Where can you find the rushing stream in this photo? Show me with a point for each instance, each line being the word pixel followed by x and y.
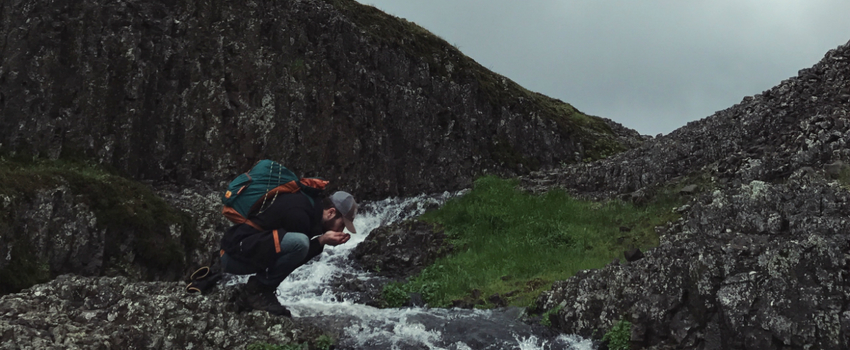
pixel 308 294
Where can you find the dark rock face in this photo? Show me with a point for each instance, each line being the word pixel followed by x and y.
pixel 204 205
pixel 112 313
pixel 392 253
pixel 759 267
pixel 401 250
pixel 761 257
pixel 200 90
pixel 63 229
pixel 55 231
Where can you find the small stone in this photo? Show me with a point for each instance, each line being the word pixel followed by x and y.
pixel 688 190
pixel 497 300
pixel 633 255
pixel 416 300
pixel 833 170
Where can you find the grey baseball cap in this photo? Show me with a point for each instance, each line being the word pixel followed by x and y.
pixel 345 204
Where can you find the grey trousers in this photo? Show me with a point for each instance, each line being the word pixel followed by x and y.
pixel 293 249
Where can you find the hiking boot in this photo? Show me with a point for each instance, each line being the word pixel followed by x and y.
pixel 262 297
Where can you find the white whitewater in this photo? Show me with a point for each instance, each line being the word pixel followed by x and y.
pixel 308 295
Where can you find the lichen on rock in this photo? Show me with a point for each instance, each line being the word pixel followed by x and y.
pixel 114 312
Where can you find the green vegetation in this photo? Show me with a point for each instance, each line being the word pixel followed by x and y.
pixel 24 269
pixel 267 346
pixel 515 244
pixel 120 205
pixel 619 336
pixel 394 294
pixel 545 318
pixel 324 342
pixel 297 65
pixel 844 177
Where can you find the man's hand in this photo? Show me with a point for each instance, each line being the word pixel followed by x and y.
pixel 334 238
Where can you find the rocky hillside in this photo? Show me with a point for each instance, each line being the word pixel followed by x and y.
pixel 760 258
pixel 181 96
pixel 172 92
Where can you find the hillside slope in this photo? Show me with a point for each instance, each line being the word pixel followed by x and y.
pixel 200 90
pixel 761 256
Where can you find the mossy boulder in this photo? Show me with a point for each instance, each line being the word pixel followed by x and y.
pixel 62 217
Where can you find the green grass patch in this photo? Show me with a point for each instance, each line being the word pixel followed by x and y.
pixel 120 205
pixel 323 342
pixel 844 177
pixel 619 336
pixel 546 318
pixel 515 244
pixel 267 346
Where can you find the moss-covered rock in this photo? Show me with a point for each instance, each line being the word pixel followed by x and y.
pixel 64 217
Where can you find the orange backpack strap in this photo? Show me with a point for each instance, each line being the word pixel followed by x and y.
pixel 289 187
pixel 232 215
pixel 314 183
pixel 237 218
pixel 252 224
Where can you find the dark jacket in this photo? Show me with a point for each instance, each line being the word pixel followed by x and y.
pixel 288 212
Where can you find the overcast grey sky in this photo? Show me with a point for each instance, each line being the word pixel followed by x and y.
pixel 651 65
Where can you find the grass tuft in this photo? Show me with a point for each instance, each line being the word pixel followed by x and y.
pixel 515 244
pixel 619 336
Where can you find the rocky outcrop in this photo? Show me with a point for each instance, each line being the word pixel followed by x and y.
pixel 199 90
pixel 34 249
pixel 401 250
pixel 392 253
pixel 761 256
pixel 113 313
pixel 763 266
pixel 203 204
pixel 802 122
pixel 92 223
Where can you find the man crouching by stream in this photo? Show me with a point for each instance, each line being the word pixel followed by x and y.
pixel 301 230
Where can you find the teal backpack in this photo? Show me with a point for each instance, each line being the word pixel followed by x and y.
pixel 249 192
